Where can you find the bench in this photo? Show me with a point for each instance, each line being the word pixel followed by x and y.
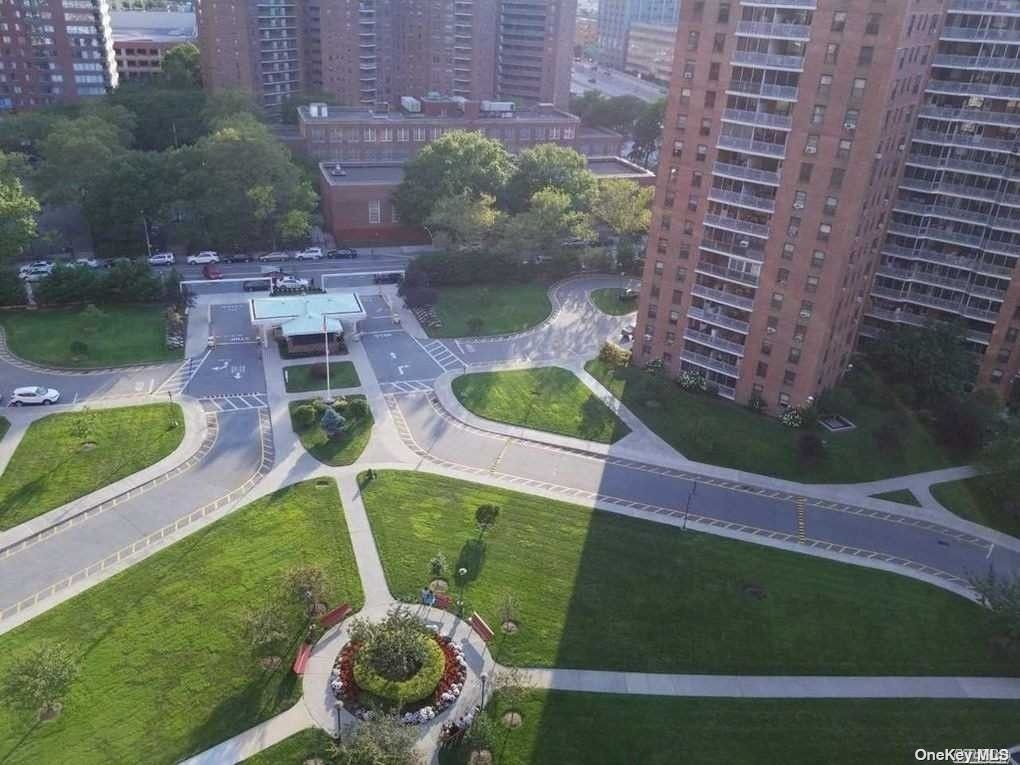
pixel 479 626
pixel 335 616
pixel 301 660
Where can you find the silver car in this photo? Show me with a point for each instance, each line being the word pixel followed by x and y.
pixel 34 396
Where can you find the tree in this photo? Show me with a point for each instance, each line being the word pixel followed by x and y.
pixel 69 284
pixel 382 740
pixel 647 132
pixel 457 162
pixel 19 212
pixel 933 360
pixel 548 166
pixel 76 154
pixel 486 517
pixel 393 647
pixel 182 66
pixel 305 585
pixel 40 678
pixel 165 117
pixel 265 625
pixel 1001 458
pixel 545 226
pixel 468 219
pixel 332 423
pixel 623 206
pixel 1001 595
pixel 12 289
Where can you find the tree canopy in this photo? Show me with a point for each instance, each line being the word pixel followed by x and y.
pixel 19 210
pixel 623 206
pixel 182 67
pixel 467 220
pixel 545 228
pixel 933 360
pixel 550 166
pixel 647 132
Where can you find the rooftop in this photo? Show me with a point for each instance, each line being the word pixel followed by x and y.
pixel 606 167
pixel 333 304
pixel 358 115
pixel 154 26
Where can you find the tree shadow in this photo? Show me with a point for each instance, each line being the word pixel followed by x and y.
pixel 472 558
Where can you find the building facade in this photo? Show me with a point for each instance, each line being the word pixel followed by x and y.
pixel 54 51
pixel 650 51
pixel 535 50
pixel 142 38
pixel 951 247
pixel 784 141
pixel 616 18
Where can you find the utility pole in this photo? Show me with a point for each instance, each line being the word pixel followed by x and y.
pixel 687 505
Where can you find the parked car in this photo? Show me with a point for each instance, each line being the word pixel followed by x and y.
pixel 162 259
pixel 86 262
pixel 34 396
pixel 271 257
pixel 255 285
pixel 37 271
pixel 209 271
pixel 309 253
pixel 206 256
pixel 342 252
pixel 290 284
pixel 391 278
pixel 237 257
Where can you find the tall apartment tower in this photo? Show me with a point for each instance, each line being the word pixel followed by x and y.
pixel 616 18
pixel 534 51
pixel 953 239
pixel 784 141
pixel 54 51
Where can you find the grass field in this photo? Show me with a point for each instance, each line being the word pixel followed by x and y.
pixel 126 334
pixel 307 745
pixel 341 451
pixel 972 498
pixel 55 463
pixel 165 670
pixel 5 425
pixel 499 309
pixel 719 432
pixel 903 496
pixel 608 301
pixel 602 591
pixel 604 729
pixel 547 398
pixel 306 377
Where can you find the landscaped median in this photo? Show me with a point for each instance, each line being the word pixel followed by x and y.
pixel 546 398
pixel 613 301
pixel 5 425
pixel 335 433
pixel 65 456
pixel 300 378
pixel 977 499
pixel 596 590
pixel 490 310
pixel 166 654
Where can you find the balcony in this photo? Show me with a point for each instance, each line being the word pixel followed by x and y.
pixel 749 201
pixel 707 362
pixel 750 146
pixel 983 63
pixel 972 34
pixel 923 277
pixel 945 259
pixel 981 116
pixel 713 341
pixel 803 4
pixel 742 173
pixel 762 90
pixel 957 305
pixel 739 226
pixel 919 320
pixel 758 119
pixel 734 275
pixel 753 254
pixel 1002 7
pixel 994 170
pixel 942 211
pixel 940 234
pixel 774 31
pixel 965 140
pixel 973 89
pixel 721 296
pixel 718 319
pixel 768 61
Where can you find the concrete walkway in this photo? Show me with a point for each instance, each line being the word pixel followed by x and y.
pixel 254 740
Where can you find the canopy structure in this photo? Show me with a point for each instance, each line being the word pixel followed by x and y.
pixel 303 323
pixel 311 324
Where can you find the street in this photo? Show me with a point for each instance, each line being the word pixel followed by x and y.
pixel 610 82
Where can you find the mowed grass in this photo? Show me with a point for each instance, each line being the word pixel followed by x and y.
pixel 165 670
pixel 601 591
pixel 127 334
pixel 306 377
pixel 5 425
pixel 607 729
pixel 336 452
pixel 310 744
pixel 712 430
pixel 500 309
pixel 54 463
pixel 973 499
pixel 903 496
pixel 547 398
pixel 608 301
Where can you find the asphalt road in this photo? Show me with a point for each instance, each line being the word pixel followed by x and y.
pixel 613 84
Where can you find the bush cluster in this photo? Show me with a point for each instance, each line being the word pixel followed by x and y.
pixel 418 686
pixel 126 282
pixel 613 355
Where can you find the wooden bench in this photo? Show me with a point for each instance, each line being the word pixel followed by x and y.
pixel 335 616
pixel 301 660
pixel 478 625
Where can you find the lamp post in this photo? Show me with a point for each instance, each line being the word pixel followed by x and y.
pixel 484 678
pixel 339 710
pixel 325 336
pixel 462 573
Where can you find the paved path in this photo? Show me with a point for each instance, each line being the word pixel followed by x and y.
pixel 254 740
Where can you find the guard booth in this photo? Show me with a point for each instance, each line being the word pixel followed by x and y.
pixel 303 325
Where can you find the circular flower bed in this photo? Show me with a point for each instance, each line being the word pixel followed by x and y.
pixel 415 688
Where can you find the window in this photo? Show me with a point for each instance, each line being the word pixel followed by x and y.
pixel 696 179
pixel 996 376
pixel 776 303
pixel 374 211
pixel 838 21
pixel 818 114
pixel 706 126
pixel 766 348
pixel 702 152
pixel 713 71
pixel 811 146
pixel 787 253
pixel 811 285
pixel 830 205
pixel 806 308
pixel 684 250
pixel 805 172
pixel 678 149
pixel 689 65
pixel 674 317
pixel 653 310
pixel 772 324
pixel 369 135
pixel 866 55
pixel 850 119
pixel 762 369
pixel 692 40
pixel 784 400
pixel 386 135
pixel 782 276
pixel 799 200
pixel 793 227
pixel 857 92
pixel 403 134
pixel 836 179
pixel 789 377
pixel 681 276
pixel 874 22
pixel 692 202
pixel 419 134
pixel 659 266
pixel 831 54
pixel 662 246
pixel 685 98
pixel 824 232
pixel 843 152
pixel 709 99
pixel 678 297
pixel 724 13
pixel 718 43
pixel 688 226
pixel 817 259
pixel 825 85
pixel 1012 334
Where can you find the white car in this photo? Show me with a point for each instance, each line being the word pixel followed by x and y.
pixel 206 256
pixel 86 262
pixel 36 272
pixel 34 396
pixel 290 284
pixel 309 253
pixel 163 259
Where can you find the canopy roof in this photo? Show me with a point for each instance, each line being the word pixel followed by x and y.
pixel 311 324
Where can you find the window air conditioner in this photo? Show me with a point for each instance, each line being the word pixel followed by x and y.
pixel 798 205
pixel 810 149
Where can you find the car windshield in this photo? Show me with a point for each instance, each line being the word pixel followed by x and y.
pixel 39 391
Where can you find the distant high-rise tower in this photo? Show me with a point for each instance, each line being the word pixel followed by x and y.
pixel 54 52
pixel 534 50
pixel 616 18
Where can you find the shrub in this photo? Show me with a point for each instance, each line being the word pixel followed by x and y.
pixel 810 447
pixel 792 417
pixel 839 400
pixel 12 289
pixel 319 406
pixel 437 565
pixel 332 423
pixel 79 348
pixel 70 284
pixel 421 684
pixel 808 417
pixel 357 408
pixel 613 355
pixel 420 297
pixel 304 415
pixel 340 404
pixel 393 647
pixel 692 381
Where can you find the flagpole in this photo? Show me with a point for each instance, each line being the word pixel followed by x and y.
pixel 325 334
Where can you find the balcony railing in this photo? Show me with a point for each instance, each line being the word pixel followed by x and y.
pixel 945 259
pixel 966 140
pixel 973 89
pixel 742 173
pixel 708 362
pixel 919 320
pixel 750 201
pixel 1008 7
pixel 719 319
pixel 984 63
pixel 740 226
pixel 943 211
pixel 987 34
pixel 925 277
pixel 808 4
pixel 763 90
pixel 954 163
pixel 775 31
pixel 712 341
pixel 768 60
pixel 721 296
pixel 758 119
pixel 983 116
pixel 754 254
pixel 729 274
pixel 750 146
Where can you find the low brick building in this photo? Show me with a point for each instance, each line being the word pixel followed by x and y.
pixel 142 38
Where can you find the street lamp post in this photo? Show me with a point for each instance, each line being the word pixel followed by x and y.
pixel 325 336
pixel 484 678
pixel 339 710
pixel 462 573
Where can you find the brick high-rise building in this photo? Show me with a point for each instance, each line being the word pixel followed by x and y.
pixel 535 50
pixel 785 136
pixel 953 239
pixel 54 51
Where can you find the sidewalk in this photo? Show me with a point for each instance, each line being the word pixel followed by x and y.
pixel 254 740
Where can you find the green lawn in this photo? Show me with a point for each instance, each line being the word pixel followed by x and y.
pixel 608 301
pixel 127 334
pixel 605 729
pixel 5 425
pixel 54 464
pixel 603 591
pixel 548 398
pixel 501 309
pixel 719 432
pixel 295 750
pixel 903 496
pixel 342 451
pixel 165 669
pixel 972 498
pixel 306 377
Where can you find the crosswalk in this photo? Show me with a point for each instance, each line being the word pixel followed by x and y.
pixel 178 381
pixel 407 386
pixel 442 355
pixel 234 402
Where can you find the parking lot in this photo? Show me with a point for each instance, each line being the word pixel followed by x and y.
pixel 234 365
